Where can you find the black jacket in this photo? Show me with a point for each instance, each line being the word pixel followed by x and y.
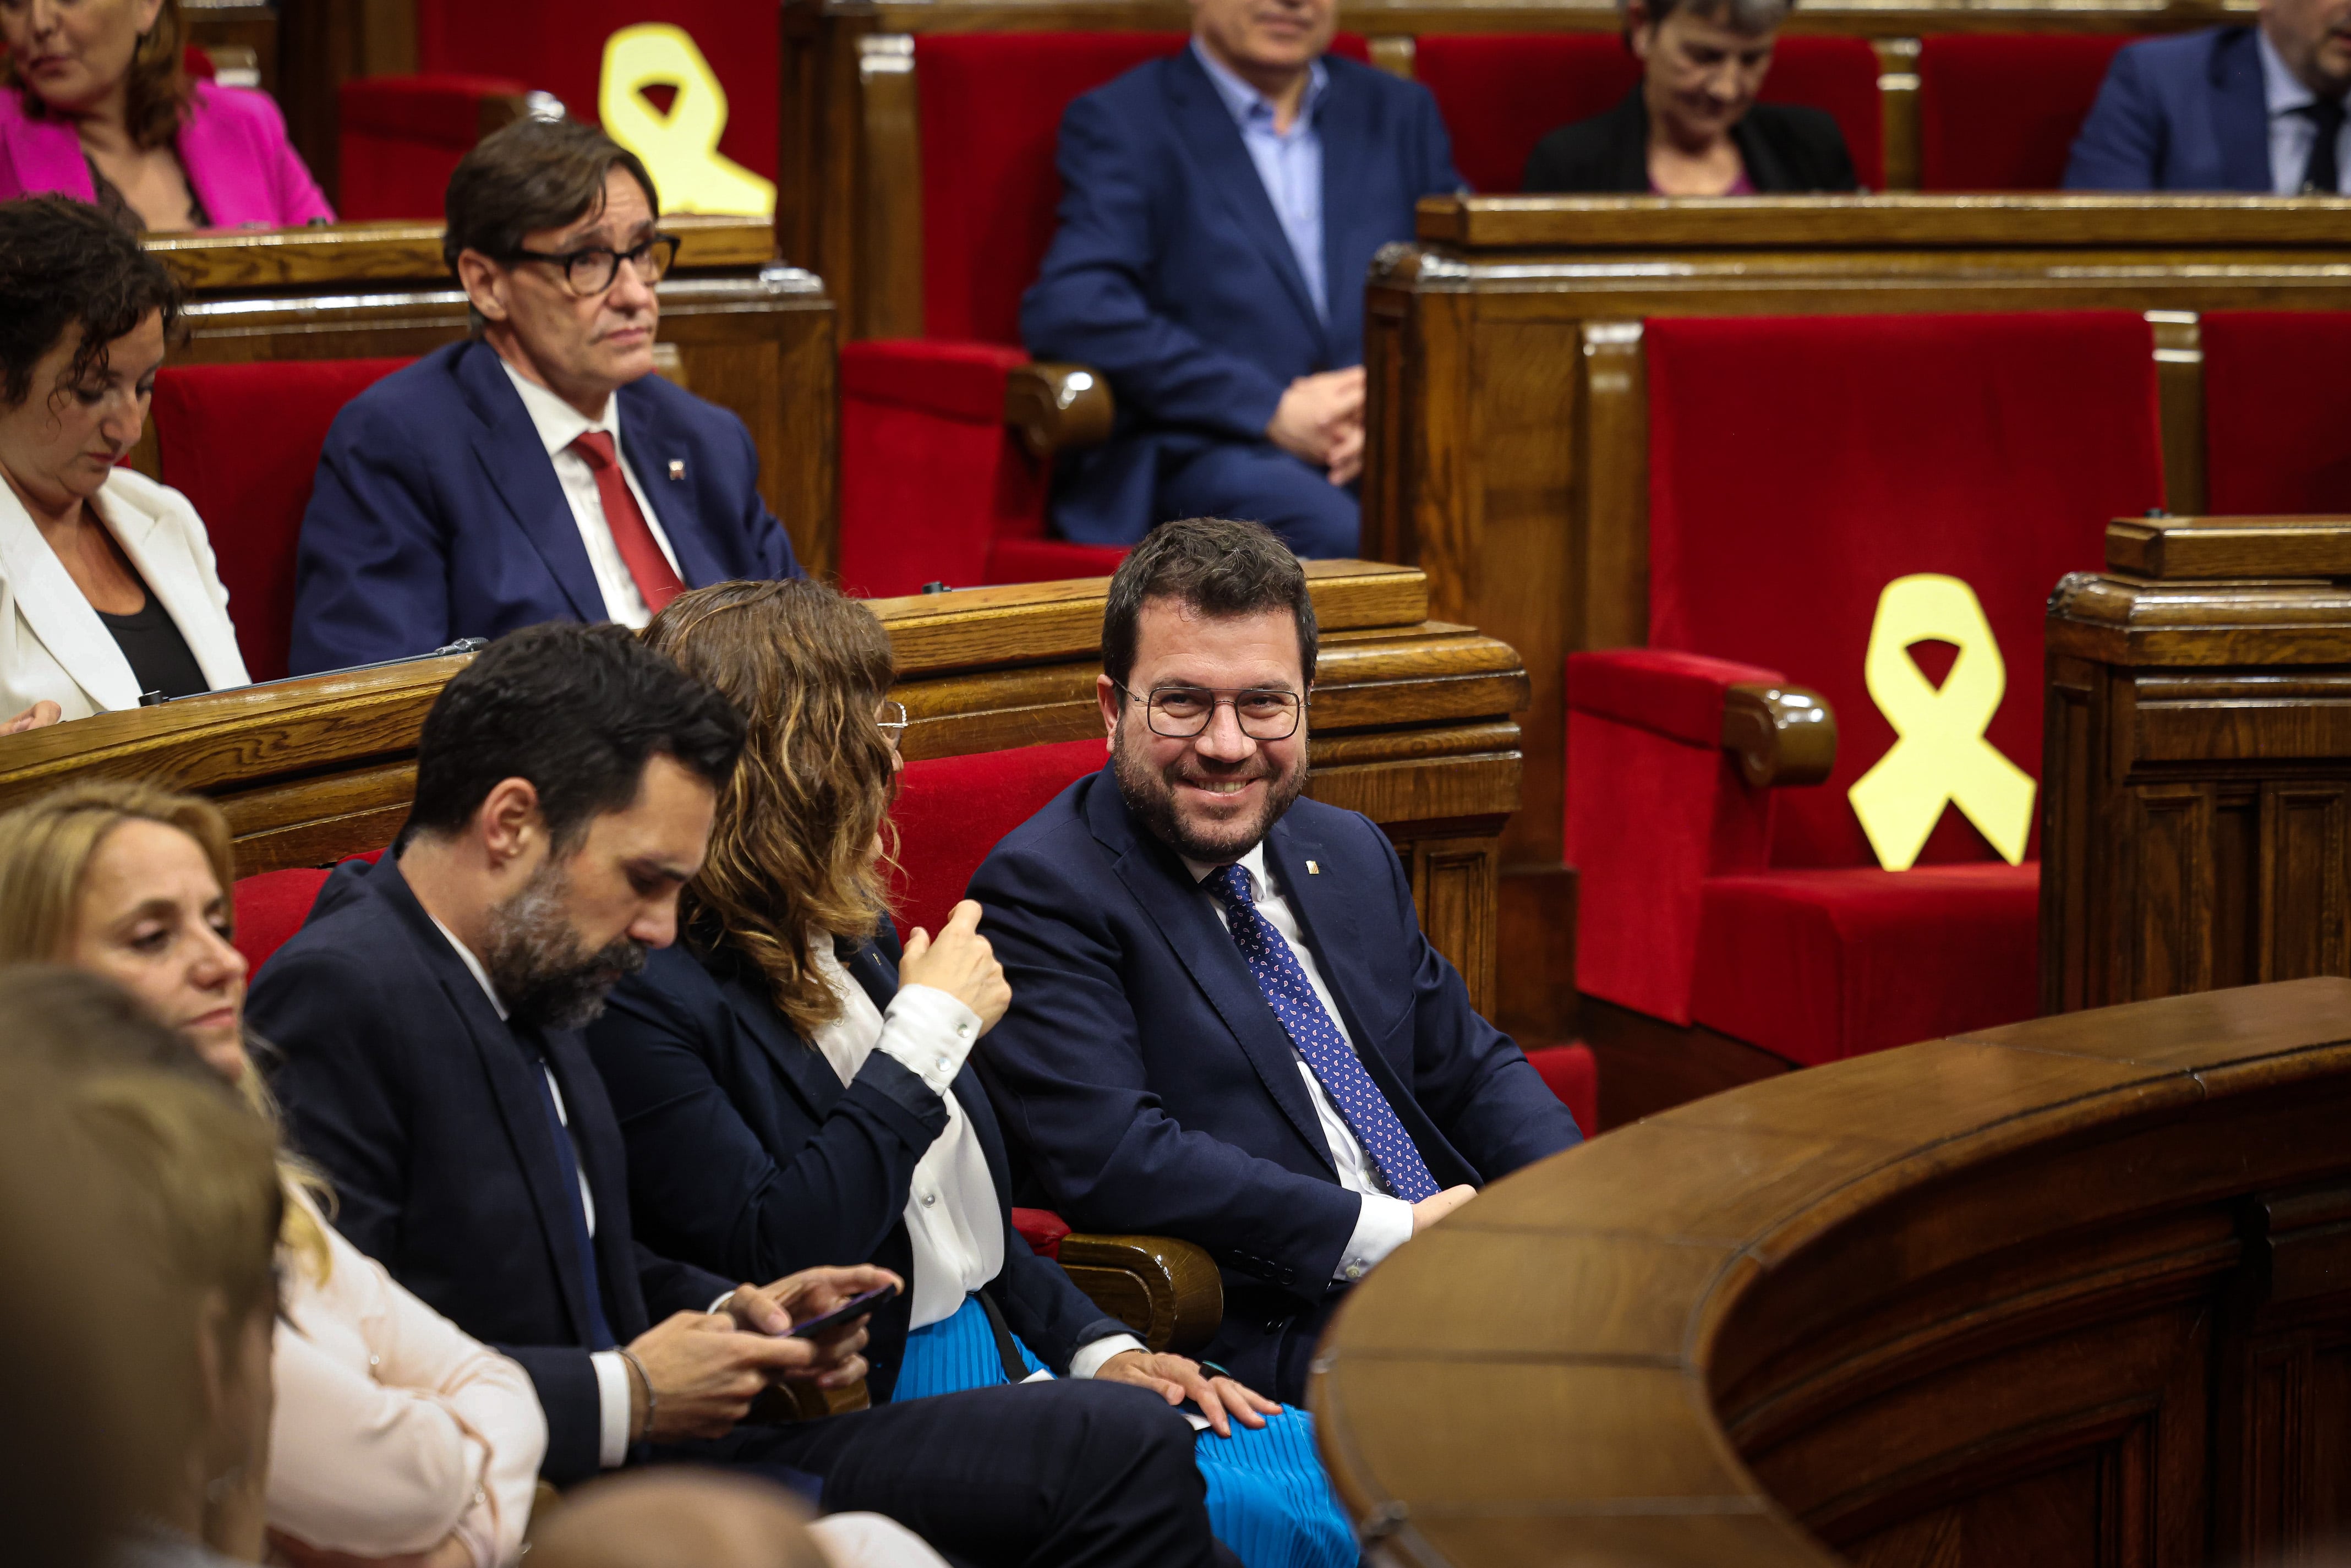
pixel 1787 149
pixel 749 1156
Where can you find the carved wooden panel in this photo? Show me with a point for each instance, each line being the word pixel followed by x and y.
pixel 1453 887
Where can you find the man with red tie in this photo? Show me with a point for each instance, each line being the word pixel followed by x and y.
pixel 538 471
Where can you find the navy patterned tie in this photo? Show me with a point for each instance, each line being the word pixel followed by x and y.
pixel 1318 1040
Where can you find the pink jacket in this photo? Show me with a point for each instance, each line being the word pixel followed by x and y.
pixel 233 145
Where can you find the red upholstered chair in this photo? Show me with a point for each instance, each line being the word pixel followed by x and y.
pixel 399 138
pixel 272 905
pixel 2000 111
pixel 1501 93
pixel 1570 1072
pixel 242 442
pixel 1797 466
pixel 2273 435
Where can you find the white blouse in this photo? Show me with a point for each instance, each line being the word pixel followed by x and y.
pixel 393 1427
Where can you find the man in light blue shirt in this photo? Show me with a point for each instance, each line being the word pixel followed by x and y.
pixel 1220 214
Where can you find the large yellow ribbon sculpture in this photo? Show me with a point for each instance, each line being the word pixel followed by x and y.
pixel 1941 753
pixel 680 148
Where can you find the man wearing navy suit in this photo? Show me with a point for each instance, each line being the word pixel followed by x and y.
pixel 1220 209
pixel 538 471
pixel 1226 1023
pixel 2257 109
pixel 429 1015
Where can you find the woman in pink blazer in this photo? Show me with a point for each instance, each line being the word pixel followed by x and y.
pixel 94 103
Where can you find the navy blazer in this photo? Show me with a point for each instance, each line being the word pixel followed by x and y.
pixel 2180 113
pixel 436 513
pixel 749 1156
pixel 1170 273
pixel 1153 1088
pixel 400 1082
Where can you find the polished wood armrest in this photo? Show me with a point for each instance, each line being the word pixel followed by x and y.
pixel 1167 1291
pixel 1058 407
pixel 1782 735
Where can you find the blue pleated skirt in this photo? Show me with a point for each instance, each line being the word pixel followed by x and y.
pixel 1269 1500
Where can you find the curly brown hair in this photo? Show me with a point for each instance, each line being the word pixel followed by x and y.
pixel 157 99
pixel 791 856
pixel 66 266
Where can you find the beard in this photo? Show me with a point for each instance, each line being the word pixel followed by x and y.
pixel 1150 794
pixel 544 973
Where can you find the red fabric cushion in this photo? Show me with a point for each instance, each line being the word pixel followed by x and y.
pixel 951 811
pixel 1501 93
pixel 242 442
pixel 402 137
pixel 2273 433
pixel 1042 1230
pixel 1049 560
pixel 1574 1077
pixel 1679 695
pixel 272 905
pixel 1799 465
pixel 960 380
pixel 1818 964
pixel 2000 111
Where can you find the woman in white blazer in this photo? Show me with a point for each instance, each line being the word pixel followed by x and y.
pixel 107 588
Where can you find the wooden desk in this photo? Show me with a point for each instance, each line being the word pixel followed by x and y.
pixel 748 333
pixel 2068 1293
pixel 1412 727
pixel 1509 442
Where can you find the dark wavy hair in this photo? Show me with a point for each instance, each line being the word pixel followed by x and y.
pixel 1214 567
pixel 159 88
pixel 64 264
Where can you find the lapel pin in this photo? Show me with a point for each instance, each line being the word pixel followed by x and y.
pixel 677 470
pixel 1313 870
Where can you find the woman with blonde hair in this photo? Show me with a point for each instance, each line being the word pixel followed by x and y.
pixel 396 1434
pixel 793 1086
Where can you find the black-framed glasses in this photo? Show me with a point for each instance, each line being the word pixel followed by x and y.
pixel 590 272
pixel 892 723
pixel 1179 713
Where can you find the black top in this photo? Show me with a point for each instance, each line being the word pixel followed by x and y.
pixel 1786 148
pixel 158 655
pixel 109 200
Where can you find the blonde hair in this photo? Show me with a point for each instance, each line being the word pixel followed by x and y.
pixel 791 850
pixel 45 850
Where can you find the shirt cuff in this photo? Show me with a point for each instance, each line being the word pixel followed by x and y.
pixel 719 1301
pixel 613 1399
pixel 1384 1225
pixel 929 1032
pixel 1090 1357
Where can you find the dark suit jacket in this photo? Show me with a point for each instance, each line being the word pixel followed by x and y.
pixel 399 1081
pixel 438 515
pixel 2180 113
pixel 749 1156
pixel 1170 272
pixel 1786 147
pixel 1153 1088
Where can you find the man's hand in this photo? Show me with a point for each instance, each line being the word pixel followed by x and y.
pixel 705 1372
pixel 959 962
pixel 1179 1378
pixel 1321 419
pixel 40 714
pixel 1437 1206
pixel 772 1310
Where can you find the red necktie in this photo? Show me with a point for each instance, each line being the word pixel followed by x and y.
pixel 640 551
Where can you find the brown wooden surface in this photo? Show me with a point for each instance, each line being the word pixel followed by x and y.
pixel 381 255
pixel 2067 1292
pixel 2196 805
pixel 1509 409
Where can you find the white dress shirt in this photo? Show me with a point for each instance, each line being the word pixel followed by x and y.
pixel 2291 132
pixel 1385 1222
pixel 558 425
pixel 954 1217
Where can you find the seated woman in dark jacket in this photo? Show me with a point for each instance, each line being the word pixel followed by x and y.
pixel 792 1085
pixel 1693 128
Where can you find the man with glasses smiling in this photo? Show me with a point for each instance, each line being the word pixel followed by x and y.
pixel 538 471
pixel 1226 1024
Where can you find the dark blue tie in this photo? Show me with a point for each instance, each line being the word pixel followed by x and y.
pixel 1318 1040
pixel 583 1245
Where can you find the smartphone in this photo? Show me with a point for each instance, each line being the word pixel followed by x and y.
pixel 856 1307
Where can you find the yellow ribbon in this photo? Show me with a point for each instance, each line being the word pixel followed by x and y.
pixel 1939 754
pixel 680 149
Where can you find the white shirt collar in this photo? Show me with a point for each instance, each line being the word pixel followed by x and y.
pixel 1252 863
pixel 558 422
pixel 2281 90
pixel 1244 101
pixel 472 963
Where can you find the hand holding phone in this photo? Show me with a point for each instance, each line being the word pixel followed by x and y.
pixel 857 1306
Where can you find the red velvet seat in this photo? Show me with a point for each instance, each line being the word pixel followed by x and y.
pixel 242 442
pixel 272 905
pixel 2000 111
pixel 1797 466
pixel 1501 93
pixel 2273 435
pixel 399 138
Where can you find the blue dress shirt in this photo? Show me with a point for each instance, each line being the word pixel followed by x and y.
pixel 1288 162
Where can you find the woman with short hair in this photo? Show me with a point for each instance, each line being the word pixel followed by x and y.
pixel 1692 127
pixel 96 103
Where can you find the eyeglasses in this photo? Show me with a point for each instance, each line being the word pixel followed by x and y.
pixel 1180 712
pixel 893 723
pixel 588 273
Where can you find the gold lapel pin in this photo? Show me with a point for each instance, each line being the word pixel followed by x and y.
pixel 676 469
pixel 1313 870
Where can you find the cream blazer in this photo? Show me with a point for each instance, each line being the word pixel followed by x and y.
pixel 52 643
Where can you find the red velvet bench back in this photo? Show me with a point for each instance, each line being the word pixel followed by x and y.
pixel 2273 432
pixel 1999 111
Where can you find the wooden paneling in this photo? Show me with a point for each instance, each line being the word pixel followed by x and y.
pixel 2072 1294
